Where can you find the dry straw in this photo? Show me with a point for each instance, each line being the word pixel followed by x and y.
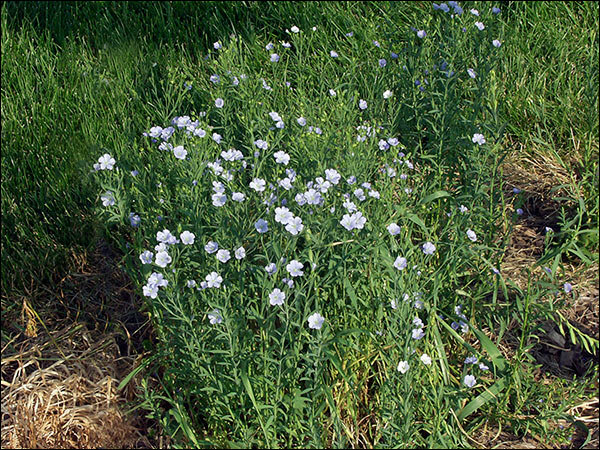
pixel 70 401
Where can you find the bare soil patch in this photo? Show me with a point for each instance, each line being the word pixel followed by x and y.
pixel 65 358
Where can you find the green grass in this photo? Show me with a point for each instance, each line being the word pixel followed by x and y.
pixel 82 79
pixel 76 77
pixel 550 86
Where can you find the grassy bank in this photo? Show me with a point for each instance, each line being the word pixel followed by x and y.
pixel 83 79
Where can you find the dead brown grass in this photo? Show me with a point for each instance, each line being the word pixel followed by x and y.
pixel 62 393
pixel 542 178
pixel 61 366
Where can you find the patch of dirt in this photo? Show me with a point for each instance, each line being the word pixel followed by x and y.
pixel 63 359
pixel 538 182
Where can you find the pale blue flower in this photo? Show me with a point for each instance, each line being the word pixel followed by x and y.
pixel 313 197
pixel 261 226
pixel 359 194
pixel 154 132
pixel 294 268
pixel 211 247
pixel 219 103
pixel 322 185
pixel 167 133
pixel 350 206
pixel 134 219
pixel 568 287
pixel 276 297
pixel 300 198
pixel 478 139
pixel 283 215
pixel 219 200
pixel 263 145
pixel 271 268
pixel 281 157
pixel 480 26
pixel 403 367
pixel 180 152
pixel 182 121
pixel 238 197
pixel 417 333
pixel 150 291
pixel 108 199
pixel 274 57
pixel 187 238
pixel 428 248
pixel 400 263
pixel 258 184
pixel 240 253
pixel 106 162
pixel 286 183
pixel 301 121
pixel 496 43
pixel 387 94
pixel 471 360
pixel 470 381
pixel 362 104
pixel 333 54
pixel 315 321
pixel 223 255
pixel 162 259
pixel 294 226
pixel 425 359
pixel 471 235
pixel 471 73
pixel 213 280
pixel 215 317
pixel 332 176
pixel 353 221
pixel 217 45
pixel 157 279
pixel 421 34
pixel 393 229
pixel 146 257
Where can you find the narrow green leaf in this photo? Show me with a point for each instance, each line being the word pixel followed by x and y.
pixel 435 196
pixel 483 398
